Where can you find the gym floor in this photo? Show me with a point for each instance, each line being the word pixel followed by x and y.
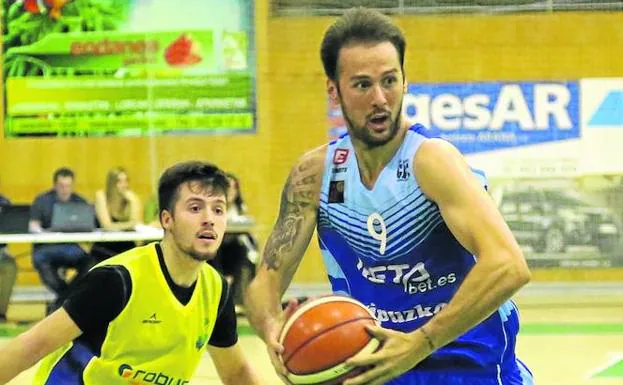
pixel 572 334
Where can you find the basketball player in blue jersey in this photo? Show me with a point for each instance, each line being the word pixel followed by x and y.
pixel 148 315
pixel 404 226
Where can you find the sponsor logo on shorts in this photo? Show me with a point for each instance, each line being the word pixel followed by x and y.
pixel 141 377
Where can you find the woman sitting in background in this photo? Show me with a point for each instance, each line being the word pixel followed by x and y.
pixel 117 208
pixel 238 254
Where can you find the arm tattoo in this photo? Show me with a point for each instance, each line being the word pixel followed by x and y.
pixel 299 193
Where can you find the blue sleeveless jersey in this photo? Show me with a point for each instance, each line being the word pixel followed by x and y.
pixel 389 248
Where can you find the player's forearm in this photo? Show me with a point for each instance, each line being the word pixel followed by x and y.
pixel 490 283
pixel 15 357
pixel 262 301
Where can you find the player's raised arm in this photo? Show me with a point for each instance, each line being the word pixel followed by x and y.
pixel 31 346
pixel 472 217
pixel 285 246
pixel 288 240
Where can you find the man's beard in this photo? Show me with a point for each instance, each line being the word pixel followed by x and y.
pixel 363 133
pixel 198 256
pixel 194 254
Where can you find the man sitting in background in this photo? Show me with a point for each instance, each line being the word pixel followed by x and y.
pixel 48 259
pixel 8 273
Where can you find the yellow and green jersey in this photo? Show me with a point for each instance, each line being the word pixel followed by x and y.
pixel 155 339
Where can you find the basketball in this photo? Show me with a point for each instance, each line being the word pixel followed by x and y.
pixel 321 335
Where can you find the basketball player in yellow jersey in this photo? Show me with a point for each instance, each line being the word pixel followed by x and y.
pixel 146 315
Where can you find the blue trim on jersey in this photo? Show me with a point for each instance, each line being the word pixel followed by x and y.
pixel 414 221
pixel 413 207
pixel 346 218
pixel 407 238
pixel 419 228
pixel 339 285
pixel 505 310
pixel 333 268
pixel 503 350
pixel 482 177
pixel 479 172
pixel 338 138
pixel 351 238
pixel 527 378
pixel 394 228
pixel 423 214
pixel 338 245
pixel 324 201
pixel 420 129
pixel 398 206
pixel 353 232
pixel 69 369
pixel 430 226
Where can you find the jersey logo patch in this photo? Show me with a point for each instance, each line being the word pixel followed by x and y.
pixel 402 171
pixel 153 319
pixel 336 191
pixel 340 155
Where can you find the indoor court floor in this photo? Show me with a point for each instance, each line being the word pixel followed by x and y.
pixel 571 335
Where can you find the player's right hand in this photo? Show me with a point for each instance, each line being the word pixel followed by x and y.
pixel 273 330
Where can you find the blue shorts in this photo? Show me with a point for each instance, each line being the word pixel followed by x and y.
pixel 520 375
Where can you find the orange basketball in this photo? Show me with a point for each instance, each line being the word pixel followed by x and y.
pixel 323 333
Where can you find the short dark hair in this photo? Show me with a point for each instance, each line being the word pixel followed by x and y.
pixel 206 174
pixel 359 25
pixel 63 172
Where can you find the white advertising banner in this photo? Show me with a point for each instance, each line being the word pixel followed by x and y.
pixel 601 111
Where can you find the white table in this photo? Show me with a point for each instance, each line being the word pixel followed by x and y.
pixel 145 233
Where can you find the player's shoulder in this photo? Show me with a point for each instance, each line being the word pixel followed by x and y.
pixel 314 158
pixel 116 274
pixel 310 165
pixel 440 169
pixel 133 257
pixel 435 154
pixel 305 179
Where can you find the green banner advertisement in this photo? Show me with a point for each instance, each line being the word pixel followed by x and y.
pixel 124 67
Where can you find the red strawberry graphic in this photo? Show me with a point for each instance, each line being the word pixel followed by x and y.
pixel 183 52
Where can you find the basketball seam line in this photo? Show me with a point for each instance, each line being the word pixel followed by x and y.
pixel 306 306
pixel 323 332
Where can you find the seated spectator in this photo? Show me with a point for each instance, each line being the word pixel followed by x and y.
pixel 8 273
pixel 238 254
pixel 51 259
pixel 117 208
pixel 151 212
